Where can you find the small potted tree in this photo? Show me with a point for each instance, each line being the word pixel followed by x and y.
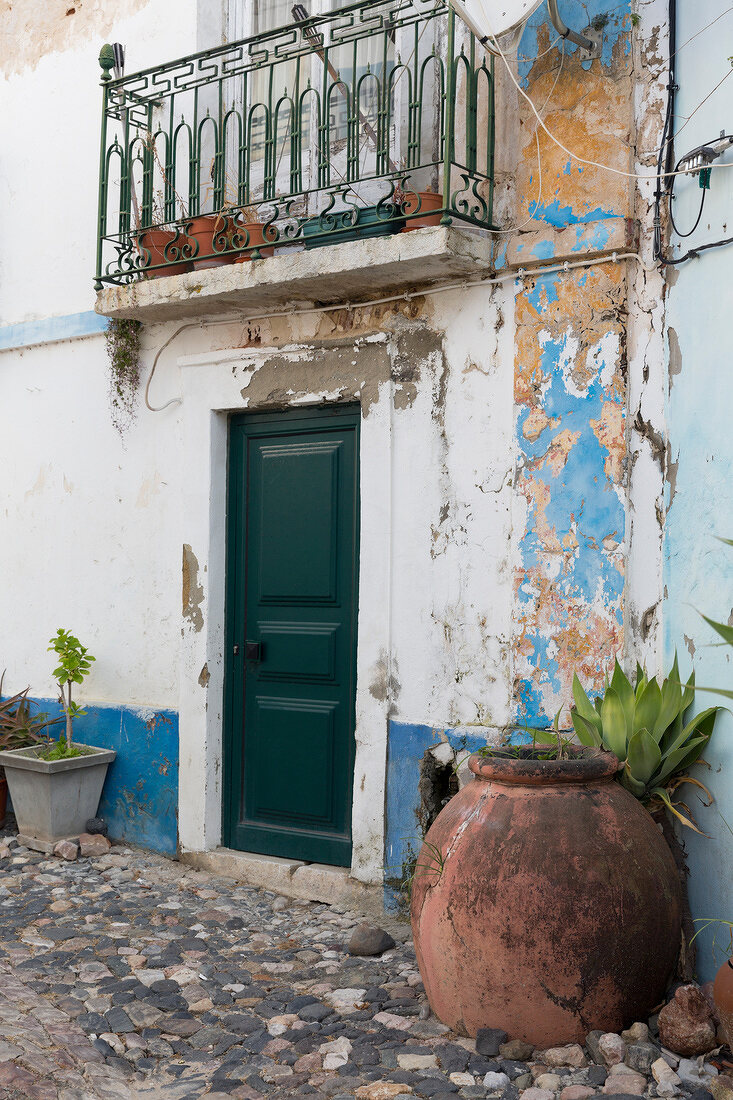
pixel 56 786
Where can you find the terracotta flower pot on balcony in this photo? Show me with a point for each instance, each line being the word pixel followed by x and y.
pixel 545 901
pixel 251 235
pixel 153 243
pixel 723 997
pixel 426 205
pixel 212 233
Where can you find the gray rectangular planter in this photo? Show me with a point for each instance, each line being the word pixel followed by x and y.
pixel 54 799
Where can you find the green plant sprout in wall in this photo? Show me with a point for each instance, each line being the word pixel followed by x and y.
pixel 74 663
pixel 649 729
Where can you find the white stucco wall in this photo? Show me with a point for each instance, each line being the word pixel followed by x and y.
pixel 98 524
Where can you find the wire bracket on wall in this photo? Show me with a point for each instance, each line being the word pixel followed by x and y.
pixel 700 159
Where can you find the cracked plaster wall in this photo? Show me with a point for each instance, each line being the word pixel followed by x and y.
pixel 581 363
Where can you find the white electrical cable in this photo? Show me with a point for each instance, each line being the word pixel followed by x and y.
pixel 551 136
pixel 517 275
pixel 538 200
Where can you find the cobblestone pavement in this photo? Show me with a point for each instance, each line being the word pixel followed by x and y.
pixel 129 975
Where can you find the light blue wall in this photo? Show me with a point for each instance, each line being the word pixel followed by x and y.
pixel 49 330
pixel 698 569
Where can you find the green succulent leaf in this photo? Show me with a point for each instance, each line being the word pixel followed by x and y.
pixel 725 692
pixel 648 706
pixel 586 732
pixel 678 760
pixel 643 757
pixel 663 796
pixel 583 705
pixel 725 631
pixel 634 786
pixel 688 695
pixel 701 724
pixel 614 723
pixel 671 706
pixel 640 675
pixel 627 697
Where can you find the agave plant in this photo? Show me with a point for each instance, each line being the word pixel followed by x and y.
pixel 649 729
pixel 19 726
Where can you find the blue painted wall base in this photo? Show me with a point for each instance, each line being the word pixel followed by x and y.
pixel 140 796
pixel 403 837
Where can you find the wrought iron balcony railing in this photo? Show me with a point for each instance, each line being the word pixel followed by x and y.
pixel 372 119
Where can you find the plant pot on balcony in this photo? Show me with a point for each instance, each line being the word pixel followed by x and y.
pixel 335 228
pixel 212 234
pixel 425 207
pixel 156 246
pixel 3 798
pixel 54 799
pixel 250 235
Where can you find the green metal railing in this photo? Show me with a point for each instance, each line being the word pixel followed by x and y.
pixel 369 120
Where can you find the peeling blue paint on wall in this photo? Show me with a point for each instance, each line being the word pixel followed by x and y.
pixel 578 17
pixel 406 747
pixel 562 216
pixel 570 442
pixel 140 797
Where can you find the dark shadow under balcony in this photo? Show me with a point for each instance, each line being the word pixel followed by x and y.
pixel 265 157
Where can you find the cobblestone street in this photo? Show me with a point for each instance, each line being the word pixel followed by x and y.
pixel 130 975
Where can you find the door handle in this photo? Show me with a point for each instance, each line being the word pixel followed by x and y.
pixel 253 651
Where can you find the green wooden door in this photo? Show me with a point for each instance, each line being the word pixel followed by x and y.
pixel 291 634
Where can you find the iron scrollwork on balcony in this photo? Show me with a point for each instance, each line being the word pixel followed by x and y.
pixel 375 119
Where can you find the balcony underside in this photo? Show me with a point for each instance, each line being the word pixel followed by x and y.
pixel 350 272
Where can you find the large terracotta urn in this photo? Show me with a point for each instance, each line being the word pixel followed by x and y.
pixel 545 901
pixel 723 997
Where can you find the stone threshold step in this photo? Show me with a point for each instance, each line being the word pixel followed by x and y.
pixel 291 878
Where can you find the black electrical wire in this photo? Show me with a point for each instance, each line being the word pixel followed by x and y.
pixel 665 160
pixel 671 212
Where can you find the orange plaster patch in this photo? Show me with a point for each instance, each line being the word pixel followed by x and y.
pixel 535 424
pixel 609 431
pixel 559 449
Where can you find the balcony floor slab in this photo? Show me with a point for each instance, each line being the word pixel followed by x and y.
pixel 351 271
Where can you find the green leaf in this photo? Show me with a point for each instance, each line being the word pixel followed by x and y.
pixel 671 703
pixel 677 761
pixel 648 706
pixel 702 723
pixel 586 731
pixel 688 695
pixel 636 788
pixel 640 674
pixel 614 724
pixel 627 698
pixel 643 757
pixel 725 631
pixel 583 704
pixel 661 794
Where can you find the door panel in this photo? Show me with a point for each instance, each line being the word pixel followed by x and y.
pixel 292 591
